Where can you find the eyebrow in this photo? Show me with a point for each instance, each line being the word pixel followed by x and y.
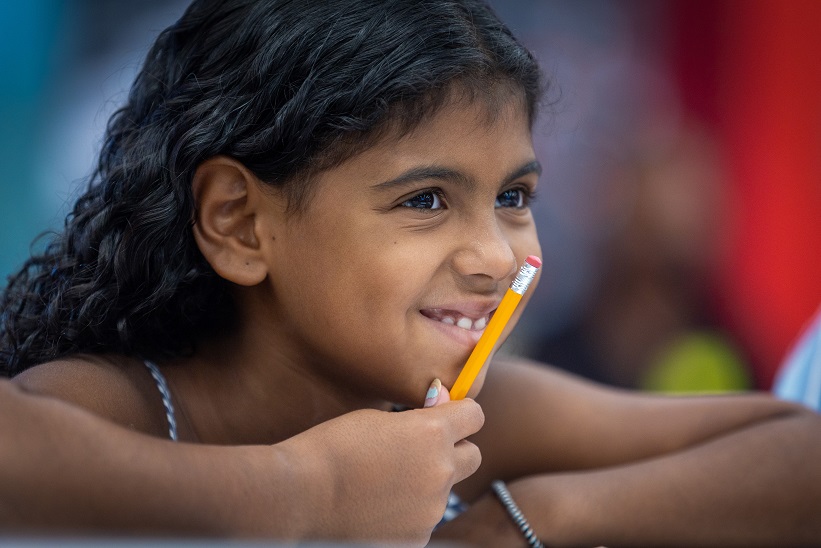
pixel 426 173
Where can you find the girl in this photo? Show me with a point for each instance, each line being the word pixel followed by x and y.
pixel 309 208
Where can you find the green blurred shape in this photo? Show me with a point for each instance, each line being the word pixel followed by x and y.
pixel 698 362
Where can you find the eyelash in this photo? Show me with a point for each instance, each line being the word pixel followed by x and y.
pixel 526 196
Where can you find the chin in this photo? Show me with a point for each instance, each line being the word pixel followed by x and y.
pixel 478 384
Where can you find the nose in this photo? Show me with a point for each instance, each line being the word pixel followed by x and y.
pixel 485 254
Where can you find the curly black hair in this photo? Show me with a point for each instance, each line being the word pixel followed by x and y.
pixel 287 88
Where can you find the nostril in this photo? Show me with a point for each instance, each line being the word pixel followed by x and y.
pixel 493 261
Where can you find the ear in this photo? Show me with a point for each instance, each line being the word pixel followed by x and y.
pixel 228 221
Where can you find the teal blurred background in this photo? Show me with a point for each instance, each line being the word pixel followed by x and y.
pixel 28 36
pixel 64 64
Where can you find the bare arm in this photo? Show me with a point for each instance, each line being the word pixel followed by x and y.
pixel 637 470
pixel 64 471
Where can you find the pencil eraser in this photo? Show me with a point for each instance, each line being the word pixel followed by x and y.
pixel 533 261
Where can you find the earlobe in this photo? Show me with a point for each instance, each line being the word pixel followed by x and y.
pixel 227 221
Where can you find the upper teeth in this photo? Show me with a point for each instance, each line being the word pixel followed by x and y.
pixel 464 322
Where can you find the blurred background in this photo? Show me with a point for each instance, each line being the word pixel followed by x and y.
pixel 679 210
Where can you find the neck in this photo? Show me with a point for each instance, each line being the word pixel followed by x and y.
pixel 241 389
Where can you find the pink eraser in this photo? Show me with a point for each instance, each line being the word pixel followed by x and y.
pixel 533 261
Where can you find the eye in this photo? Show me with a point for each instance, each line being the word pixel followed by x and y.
pixel 515 198
pixel 428 199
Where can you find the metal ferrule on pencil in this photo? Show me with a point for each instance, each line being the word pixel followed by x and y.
pixel 523 278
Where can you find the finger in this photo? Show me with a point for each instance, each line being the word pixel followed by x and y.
pixel 444 395
pixel 434 393
pixel 461 418
pixel 467 459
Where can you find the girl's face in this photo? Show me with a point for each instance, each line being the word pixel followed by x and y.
pixel 388 278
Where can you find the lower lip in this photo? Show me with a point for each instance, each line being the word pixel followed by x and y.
pixel 463 337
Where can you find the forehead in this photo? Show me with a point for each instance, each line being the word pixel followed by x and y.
pixel 476 117
pixel 462 136
pixel 457 130
pixel 500 107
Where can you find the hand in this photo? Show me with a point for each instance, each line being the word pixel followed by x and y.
pixel 387 476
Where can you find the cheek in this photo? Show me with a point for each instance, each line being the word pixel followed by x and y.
pixel 393 266
pixel 369 284
pixel 524 241
pixel 527 244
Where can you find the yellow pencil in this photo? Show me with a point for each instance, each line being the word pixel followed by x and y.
pixel 494 328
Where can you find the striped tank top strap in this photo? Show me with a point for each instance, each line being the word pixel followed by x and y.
pixel 162 386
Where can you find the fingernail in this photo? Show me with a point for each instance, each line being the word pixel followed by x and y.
pixel 433 393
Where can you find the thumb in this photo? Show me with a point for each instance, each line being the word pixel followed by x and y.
pixel 437 394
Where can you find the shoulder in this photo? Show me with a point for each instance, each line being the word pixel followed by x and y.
pixel 541 420
pixel 537 386
pixel 538 419
pixel 117 388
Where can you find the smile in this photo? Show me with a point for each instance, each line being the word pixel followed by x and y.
pixel 452 317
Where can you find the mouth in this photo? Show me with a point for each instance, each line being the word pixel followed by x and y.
pixel 458 319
